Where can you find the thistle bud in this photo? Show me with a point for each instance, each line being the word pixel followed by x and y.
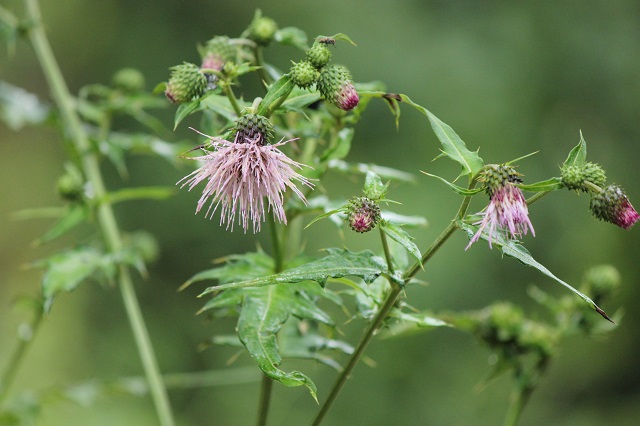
pixel 574 177
pixel 363 214
pixel 612 205
pixel 218 51
pixel 304 74
pixel 318 55
pixel 129 80
pixel 253 127
pixel 186 82
pixel 70 185
pixel 262 29
pixel 336 86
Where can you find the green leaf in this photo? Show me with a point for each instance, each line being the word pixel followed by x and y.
pixel 516 250
pixel 362 168
pixel 324 216
pixel 452 146
pixel 373 186
pixel 237 267
pixel 578 155
pixel 65 271
pixel 279 89
pixel 185 110
pixel 292 36
pixel 339 36
pixel 552 184
pixel 73 216
pixel 221 106
pixel 457 189
pixel 140 193
pixel 263 313
pixel 400 219
pixel 338 263
pixel 401 236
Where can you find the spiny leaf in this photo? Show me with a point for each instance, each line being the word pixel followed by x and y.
pixel 279 89
pixel 399 235
pixel 452 146
pixel 338 263
pixel 237 267
pixel 185 110
pixel 514 249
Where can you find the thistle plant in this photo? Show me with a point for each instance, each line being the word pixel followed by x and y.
pixel 263 163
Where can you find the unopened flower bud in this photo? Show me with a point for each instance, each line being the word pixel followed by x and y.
pixel 71 184
pixel 129 80
pixel 318 55
pixel 304 74
pixel 363 214
pixel 612 205
pixel 336 86
pixel 262 29
pixel 186 82
pixel 254 128
pixel 574 177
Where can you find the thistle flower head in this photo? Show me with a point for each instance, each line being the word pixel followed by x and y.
pixel 336 86
pixel 246 178
pixel 363 214
pixel 507 210
pixel 612 205
pixel 185 83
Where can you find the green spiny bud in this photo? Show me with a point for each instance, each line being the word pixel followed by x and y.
pixel 574 177
pixel 262 29
pixel 318 55
pixel 218 51
pixel 304 74
pixel 363 214
pixel 336 86
pixel 186 82
pixel 253 127
pixel 129 80
pixel 497 176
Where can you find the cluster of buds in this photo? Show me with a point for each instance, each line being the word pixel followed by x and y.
pixel 363 214
pixel 507 211
pixel 334 83
pixel 610 203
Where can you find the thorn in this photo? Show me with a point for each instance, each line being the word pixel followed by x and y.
pixel 604 314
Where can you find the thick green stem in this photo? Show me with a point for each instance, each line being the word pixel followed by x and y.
pixel 13 366
pixel 232 98
pixel 260 64
pixel 106 217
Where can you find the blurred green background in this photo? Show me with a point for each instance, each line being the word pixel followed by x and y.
pixel 510 77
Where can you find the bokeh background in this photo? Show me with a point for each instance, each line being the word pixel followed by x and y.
pixel 510 77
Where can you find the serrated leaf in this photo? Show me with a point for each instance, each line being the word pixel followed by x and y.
pixel 65 271
pixel 452 146
pixel 552 184
pixel 578 155
pixel 457 189
pixel 185 110
pixel 399 235
pixel 338 263
pixel 362 168
pixel 72 217
pixel 237 267
pixel 516 250
pixel 260 320
pixel 279 89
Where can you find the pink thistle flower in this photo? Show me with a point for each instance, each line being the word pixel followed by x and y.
pixel 507 211
pixel 240 175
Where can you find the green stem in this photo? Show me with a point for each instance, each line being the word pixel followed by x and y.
pixel 264 76
pixel 13 366
pixel 388 304
pixel 387 252
pixel 537 197
pixel 232 98
pixel 106 217
pixel 517 402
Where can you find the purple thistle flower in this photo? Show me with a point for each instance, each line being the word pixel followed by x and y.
pixel 240 175
pixel 507 211
pixel 612 205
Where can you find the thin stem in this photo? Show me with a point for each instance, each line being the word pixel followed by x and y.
pixel 232 98
pixel 387 253
pixel 264 76
pixel 275 244
pixel 265 399
pixel 106 217
pixel 13 366
pixel 518 400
